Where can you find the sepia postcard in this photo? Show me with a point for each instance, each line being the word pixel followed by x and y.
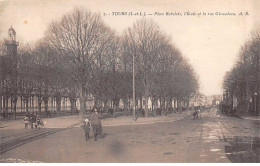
pixel 129 81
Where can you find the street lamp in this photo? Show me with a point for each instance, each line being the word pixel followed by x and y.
pixel 255 109
pixel 134 88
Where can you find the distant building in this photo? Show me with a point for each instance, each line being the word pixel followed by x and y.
pixel 216 99
pixel 198 100
pixel 9 74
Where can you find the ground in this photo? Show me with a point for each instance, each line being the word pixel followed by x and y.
pixel 179 138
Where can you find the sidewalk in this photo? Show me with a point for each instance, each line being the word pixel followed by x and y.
pixel 10 123
pixel 128 120
pixel 247 117
pixel 69 121
pixel 57 122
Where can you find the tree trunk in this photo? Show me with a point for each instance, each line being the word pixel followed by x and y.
pixel 15 109
pixel 161 106
pixel 39 105
pixel 141 102
pixel 14 103
pixel 95 101
pixel 170 103
pixel 129 103
pixel 258 82
pixel 146 103
pixel 155 103
pixel 21 104
pixel 1 106
pixel 46 105
pixel 4 107
pixel 7 108
pixel 106 104
pixel 125 101
pixel 72 105
pixel 27 106
pixel 179 105
pixel 58 102
pixel 82 99
pixel 11 105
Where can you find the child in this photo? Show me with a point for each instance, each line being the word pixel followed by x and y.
pixel 26 121
pixel 86 128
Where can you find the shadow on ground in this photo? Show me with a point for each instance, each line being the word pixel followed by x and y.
pixel 243 149
pixel 103 135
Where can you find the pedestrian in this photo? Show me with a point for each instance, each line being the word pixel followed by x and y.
pixel 26 121
pixel 31 120
pixel 96 124
pixel 34 120
pixel 86 128
pixel 195 114
pixel 38 121
pixel 199 112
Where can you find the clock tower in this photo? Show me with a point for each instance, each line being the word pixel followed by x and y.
pixel 11 46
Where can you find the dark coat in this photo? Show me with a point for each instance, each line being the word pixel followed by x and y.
pixel 86 127
pixel 96 124
pixel 95 120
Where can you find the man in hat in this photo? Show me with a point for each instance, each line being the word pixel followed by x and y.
pixel 96 124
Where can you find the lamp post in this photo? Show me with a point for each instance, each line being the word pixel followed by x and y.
pixel 257 73
pixel 134 118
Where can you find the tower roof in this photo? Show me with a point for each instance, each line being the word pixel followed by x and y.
pixel 12 30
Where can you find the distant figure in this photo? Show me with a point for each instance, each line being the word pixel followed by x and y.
pixel 26 122
pixel 96 124
pixel 199 112
pixel 86 128
pixel 34 120
pixel 189 109
pixel 38 121
pixel 195 114
pixel 31 120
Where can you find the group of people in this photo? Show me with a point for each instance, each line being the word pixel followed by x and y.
pixel 95 122
pixel 32 119
pixel 197 112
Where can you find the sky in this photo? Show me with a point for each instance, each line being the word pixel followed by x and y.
pixel 210 43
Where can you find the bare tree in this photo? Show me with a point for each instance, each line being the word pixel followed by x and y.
pixel 145 40
pixel 82 36
pixel 243 80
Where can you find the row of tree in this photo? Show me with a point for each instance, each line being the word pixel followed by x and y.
pixel 81 55
pixel 243 81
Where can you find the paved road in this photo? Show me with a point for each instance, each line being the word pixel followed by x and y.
pixel 214 138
